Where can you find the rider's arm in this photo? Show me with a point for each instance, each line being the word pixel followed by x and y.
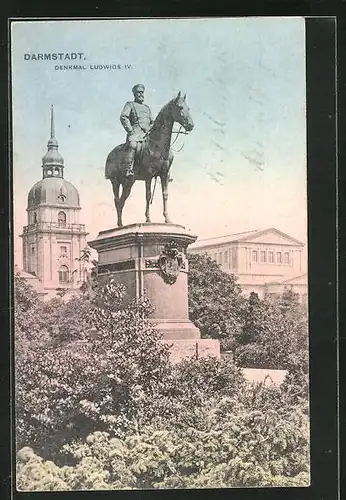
pixel 125 117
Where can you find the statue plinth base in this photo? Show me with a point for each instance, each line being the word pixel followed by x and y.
pixel 151 261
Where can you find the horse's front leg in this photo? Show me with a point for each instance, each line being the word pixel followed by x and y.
pixel 117 203
pixel 164 185
pixel 126 190
pixel 148 199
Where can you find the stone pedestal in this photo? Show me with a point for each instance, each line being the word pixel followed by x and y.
pixel 150 260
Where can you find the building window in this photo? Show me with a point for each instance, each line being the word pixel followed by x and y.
pixel 263 256
pixel 63 274
pixel 220 259
pixel 226 257
pixel 215 257
pixel 254 255
pixel 271 257
pixel 286 258
pixel 63 250
pixel 279 257
pixel 62 219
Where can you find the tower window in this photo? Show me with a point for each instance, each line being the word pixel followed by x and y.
pixel 35 217
pixel 62 219
pixel 63 250
pixel 63 274
pixel 32 250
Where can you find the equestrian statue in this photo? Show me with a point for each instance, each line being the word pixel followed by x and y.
pixel 147 152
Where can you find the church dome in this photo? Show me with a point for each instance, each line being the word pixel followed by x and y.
pixel 53 191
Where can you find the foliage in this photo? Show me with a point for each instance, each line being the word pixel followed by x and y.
pixel 275 333
pixel 215 300
pixel 41 324
pixel 101 407
pixel 123 366
pixel 261 446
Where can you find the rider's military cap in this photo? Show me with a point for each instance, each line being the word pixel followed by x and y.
pixel 139 86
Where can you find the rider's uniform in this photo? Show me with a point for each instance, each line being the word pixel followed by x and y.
pixel 136 120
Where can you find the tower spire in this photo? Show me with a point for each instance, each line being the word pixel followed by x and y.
pixel 52 162
pixel 52 130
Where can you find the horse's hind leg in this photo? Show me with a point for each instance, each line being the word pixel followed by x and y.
pixel 117 201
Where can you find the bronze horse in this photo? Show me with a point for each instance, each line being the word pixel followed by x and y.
pixel 153 158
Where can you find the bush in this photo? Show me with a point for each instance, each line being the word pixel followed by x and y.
pixel 241 448
pixel 103 382
pixel 103 408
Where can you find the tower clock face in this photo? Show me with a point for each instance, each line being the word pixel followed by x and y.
pixel 61 198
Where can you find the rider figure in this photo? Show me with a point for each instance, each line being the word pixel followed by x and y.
pixel 136 120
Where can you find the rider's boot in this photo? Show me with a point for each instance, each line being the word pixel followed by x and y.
pixel 129 160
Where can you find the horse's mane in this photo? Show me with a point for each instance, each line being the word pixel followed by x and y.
pixel 162 112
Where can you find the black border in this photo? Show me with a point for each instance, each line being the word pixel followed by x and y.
pixel 322 244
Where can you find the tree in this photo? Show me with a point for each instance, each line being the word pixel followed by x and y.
pixel 103 382
pixel 215 300
pixel 274 334
pixel 103 408
pixel 245 441
pixel 254 314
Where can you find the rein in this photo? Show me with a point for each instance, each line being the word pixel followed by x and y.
pixel 175 140
pixel 177 151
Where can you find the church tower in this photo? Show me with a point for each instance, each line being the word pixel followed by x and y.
pixel 53 238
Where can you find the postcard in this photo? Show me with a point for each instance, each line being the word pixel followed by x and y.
pixel 160 249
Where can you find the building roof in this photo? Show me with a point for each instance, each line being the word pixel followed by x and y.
pixel 53 191
pixel 32 280
pixel 245 236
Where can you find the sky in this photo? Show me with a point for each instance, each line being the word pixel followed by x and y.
pixel 243 166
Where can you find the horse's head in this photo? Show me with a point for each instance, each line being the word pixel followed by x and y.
pixel 180 112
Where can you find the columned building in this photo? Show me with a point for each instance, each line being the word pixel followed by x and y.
pixel 53 238
pixel 264 261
